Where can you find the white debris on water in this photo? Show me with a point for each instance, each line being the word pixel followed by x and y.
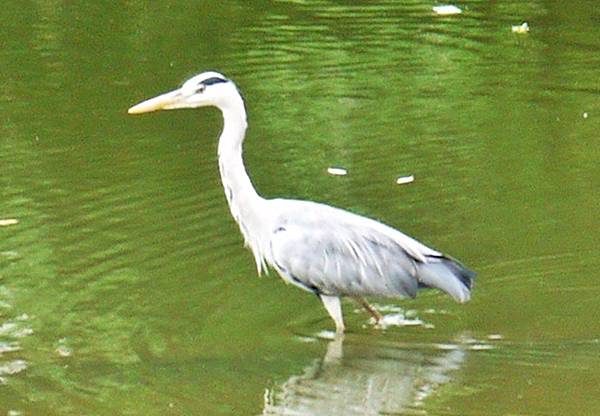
pixel 305 339
pixel 337 171
pixel 12 367
pixel 10 254
pixel 63 350
pixel 9 347
pixel 522 28
pixel 437 311
pixel 22 317
pixel 446 10
pixel 405 179
pixel 446 347
pixel 8 221
pixel 585 115
pixel 495 336
pixel 397 319
pixel 481 347
pixel 325 334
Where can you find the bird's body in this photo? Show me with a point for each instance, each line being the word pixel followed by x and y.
pixel 325 250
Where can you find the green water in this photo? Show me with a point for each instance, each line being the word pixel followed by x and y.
pixel 124 286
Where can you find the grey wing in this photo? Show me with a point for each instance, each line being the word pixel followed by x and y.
pixel 334 252
pixel 340 258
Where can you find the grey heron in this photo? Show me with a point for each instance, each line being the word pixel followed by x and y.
pixel 328 251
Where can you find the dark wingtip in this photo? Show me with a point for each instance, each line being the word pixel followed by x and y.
pixel 465 275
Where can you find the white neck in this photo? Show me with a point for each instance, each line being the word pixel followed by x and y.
pixel 245 204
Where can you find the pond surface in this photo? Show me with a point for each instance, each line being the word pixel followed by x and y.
pixel 124 286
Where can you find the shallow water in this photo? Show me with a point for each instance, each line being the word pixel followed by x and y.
pixel 124 287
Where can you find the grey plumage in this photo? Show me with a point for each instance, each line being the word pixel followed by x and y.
pixel 335 252
pixel 319 248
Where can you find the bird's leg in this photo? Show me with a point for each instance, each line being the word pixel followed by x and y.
pixel 374 312
pixel 334 308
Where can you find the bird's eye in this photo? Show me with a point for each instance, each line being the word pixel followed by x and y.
pixel 201 88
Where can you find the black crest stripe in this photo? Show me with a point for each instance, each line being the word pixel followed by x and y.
pixel 213 80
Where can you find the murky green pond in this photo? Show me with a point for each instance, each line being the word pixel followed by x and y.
pixel 124 286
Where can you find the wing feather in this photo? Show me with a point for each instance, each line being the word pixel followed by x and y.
pixel 334 252
pixel 340 253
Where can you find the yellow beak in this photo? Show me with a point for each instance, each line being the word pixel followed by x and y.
pixel 162 102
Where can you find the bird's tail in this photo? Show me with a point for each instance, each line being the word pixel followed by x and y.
pixel 447 275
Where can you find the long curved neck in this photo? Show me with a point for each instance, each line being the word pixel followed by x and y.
pixel 238 187
pixel 244 202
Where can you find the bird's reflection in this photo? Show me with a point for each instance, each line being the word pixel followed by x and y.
pixel 358 379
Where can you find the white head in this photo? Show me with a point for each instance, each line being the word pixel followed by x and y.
pixel 206 89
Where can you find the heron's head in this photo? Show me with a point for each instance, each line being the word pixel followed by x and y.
pixel 206 89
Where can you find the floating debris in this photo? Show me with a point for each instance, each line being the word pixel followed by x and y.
pixel 7 328
pixel 446 10
pixel 337 171
pixel 64 351
pixel 13 367
pixel 326 334
pixel 522 28
pixel 495 336
pixel 585 115
pixel 9 347
pixel 439 312
pixel 481 347
pixel 411 313
pixel 396 319
pixel 22 317
pixel 8 221
pixel 15 330
pixel 305 339
pixel 446 347
pixel 405 179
